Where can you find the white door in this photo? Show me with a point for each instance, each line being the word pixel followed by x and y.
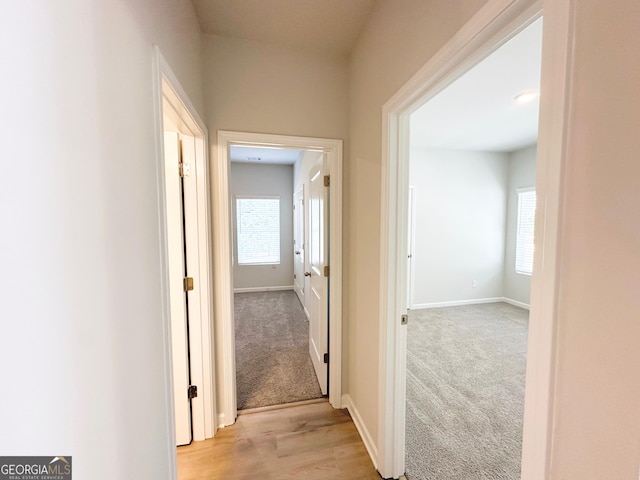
pixel 298 244
pixel 410 247
pixel 177 295
pixel 317 295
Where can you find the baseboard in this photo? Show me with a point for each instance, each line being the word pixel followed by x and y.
pixel 262 289
pixel 221 422
pixel 456 303
pixel 516 303
pixel 473 301
pixel 369 444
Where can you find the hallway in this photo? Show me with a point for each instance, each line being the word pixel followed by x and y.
pixel 309 442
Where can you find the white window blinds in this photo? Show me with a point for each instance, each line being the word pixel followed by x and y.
pixel 258 230
pixel 525 228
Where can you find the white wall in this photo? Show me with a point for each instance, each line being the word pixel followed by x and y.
pixel 398 39
pixel 460 212
pixel 81 337
pixel 522 173
pixel 596 385
pixel 265 180
pixel 256 87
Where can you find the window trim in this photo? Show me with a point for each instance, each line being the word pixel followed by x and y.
pixel 235 229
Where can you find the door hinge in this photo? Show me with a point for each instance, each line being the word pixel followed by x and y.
pixel 404 319
pixel 192 391
pixel 295 276
pixel 326 270
pixel 184 169
pixel 180 163
pixel 326 358
pixel 187 284
pixel 327 181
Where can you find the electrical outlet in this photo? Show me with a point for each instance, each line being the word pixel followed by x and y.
pixel 474 283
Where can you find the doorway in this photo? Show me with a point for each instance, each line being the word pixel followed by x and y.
pixel 278 333
pixel 491 27
pixel 331 168
pixel 472 149
pixel 181 137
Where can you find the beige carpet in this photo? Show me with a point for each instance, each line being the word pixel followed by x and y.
pixel 273 365
pixel 465 392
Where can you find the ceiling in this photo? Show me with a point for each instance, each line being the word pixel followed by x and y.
pixel 273 156
pixel 478 110
pixel 323 26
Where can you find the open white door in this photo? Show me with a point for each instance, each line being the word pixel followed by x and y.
pixel 177 295
pixel 298 245
pixel 410 247
pixel 317 296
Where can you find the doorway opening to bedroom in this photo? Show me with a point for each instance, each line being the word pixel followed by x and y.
pixel 277 327
pixel 470 256
pixel 323 250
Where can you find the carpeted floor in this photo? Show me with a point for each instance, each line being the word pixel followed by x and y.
pixel 465 392
pixel 273 365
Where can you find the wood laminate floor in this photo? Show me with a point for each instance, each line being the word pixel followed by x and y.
pixel 302 442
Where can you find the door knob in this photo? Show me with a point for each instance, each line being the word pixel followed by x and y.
pixel 307 274
pixel 297 253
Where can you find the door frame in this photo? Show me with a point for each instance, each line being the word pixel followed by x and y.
pixel 223 271
pixel 495 22
pixel 167 87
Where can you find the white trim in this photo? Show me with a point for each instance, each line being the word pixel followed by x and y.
pixel 166 85
pixel 222 257
pixel 223 286
pixel 222 420
pixel 555 120
pixel 262 289
pixel 457 303
pixel 164 268
pixel 494 24
pixel 366 437
pixel 516 303
pixel 471 301
pixel 200 321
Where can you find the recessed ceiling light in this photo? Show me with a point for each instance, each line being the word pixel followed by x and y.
pixel 526 96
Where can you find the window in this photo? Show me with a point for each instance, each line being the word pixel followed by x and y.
pixel 524 235
pixel 258 230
